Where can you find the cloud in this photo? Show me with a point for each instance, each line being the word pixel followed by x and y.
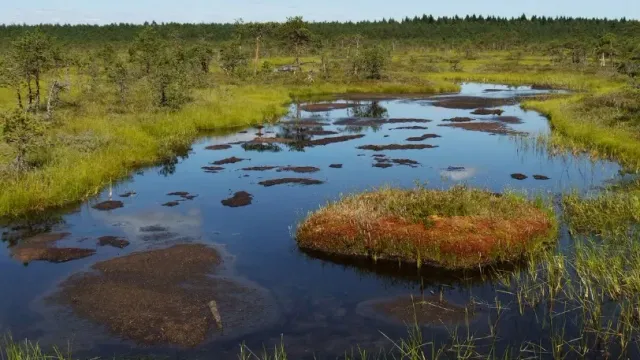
pixel 458 174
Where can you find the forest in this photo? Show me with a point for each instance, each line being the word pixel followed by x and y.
pixel 487 33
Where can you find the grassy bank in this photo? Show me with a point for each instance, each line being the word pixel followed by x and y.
pixel 459 228
pixel 92 146
pixel 597 124
pixel 601 116
pixel 93 142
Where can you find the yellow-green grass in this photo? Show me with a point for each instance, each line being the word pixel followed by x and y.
pixel 114 144
pixel 562 80
pixel 459 228
pixel 577 129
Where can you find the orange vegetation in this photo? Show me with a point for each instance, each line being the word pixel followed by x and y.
pixel 448 241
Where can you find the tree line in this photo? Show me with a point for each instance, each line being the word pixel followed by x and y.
pixel 486 32
pixel 162 63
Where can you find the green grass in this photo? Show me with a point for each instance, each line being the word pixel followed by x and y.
pixel 596 131
pixel 93 146
pixel 27 350
pixel 94 143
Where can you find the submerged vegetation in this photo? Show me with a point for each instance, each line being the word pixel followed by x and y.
pixel 459 228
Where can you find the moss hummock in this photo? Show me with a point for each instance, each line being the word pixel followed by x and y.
pixel 457 228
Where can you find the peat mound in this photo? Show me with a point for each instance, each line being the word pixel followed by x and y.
pixel 485 111
pixel 416 127
pixel 299 181
pixel 259 168
pixel 41 247
pixel 108 205
pixel 165 296
pixel 396 147
pixel 239 199
pixel 460 228
pixel 218 147
pixel 423 137
pixel 331 140
pixel 231 160
pixel 459 119
pixel 113 241
pixel 299 169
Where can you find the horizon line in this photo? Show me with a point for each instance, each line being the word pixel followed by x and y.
pixel 377 20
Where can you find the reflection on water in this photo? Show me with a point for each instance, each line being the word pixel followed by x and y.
pixel 317 296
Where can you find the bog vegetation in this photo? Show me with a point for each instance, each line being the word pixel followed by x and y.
pixel 85 105
pixel 459 228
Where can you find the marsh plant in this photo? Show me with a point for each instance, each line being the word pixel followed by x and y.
pixel 456 228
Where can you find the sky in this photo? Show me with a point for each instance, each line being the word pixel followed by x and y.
pixel 196 11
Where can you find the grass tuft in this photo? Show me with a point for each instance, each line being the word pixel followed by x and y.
pixel 456 229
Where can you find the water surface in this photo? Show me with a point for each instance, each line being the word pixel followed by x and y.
pixel 317 300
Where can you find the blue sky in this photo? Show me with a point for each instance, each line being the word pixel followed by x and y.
pixel 138 11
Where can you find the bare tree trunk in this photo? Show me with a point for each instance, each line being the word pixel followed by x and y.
pixel 324 66
pixel 257 58
pixel 29 91
pixel 163 96
pixel 37 79
pixel 603 61
pixel 122 93
pixel 52 100
pixel 68 79
pixel 19 97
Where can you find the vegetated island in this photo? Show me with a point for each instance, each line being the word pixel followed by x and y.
pixel 459 228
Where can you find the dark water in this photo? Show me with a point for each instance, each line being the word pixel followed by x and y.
pixel 317 300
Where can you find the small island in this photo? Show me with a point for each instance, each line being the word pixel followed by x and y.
pixel 459 228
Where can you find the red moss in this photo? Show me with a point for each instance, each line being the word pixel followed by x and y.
pixel 455 242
